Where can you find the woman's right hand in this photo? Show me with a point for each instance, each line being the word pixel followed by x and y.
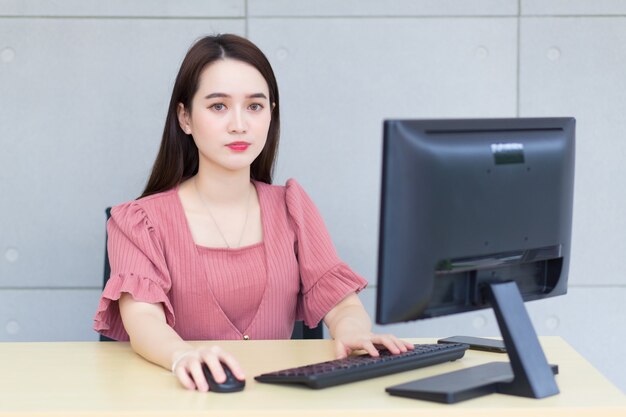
pixel 187 366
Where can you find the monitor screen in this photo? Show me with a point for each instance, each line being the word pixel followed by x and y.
pixel 477 213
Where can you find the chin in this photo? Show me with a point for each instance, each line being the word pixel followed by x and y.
pixel 238 167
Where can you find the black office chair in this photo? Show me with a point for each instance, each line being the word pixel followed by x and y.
pixel 300 331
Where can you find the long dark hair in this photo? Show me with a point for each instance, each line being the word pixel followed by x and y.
pixel 178 155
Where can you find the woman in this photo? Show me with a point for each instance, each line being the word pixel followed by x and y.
pixel 211 250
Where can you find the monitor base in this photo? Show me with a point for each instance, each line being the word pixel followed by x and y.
pixel 459 385
pixel 527 375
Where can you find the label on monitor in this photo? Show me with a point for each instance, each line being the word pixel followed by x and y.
pixel 508 153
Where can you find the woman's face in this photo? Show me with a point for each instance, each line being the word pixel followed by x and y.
pixel 230 115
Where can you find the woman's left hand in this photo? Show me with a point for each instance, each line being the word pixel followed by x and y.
pixel 347 343
pixel 350 326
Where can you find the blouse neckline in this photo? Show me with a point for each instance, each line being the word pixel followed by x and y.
pixel 222 249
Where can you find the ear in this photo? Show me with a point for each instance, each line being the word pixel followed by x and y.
pixel 184 119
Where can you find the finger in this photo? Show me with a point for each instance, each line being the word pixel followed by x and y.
pixel 398 343
pixel 195 369
pixel 401 345
pixel 184 378
pixel 340 350
pixel 404 346
pixel 348 351
pixel 213 362
pixel 232 363
pixel 387 342
pixel 369 347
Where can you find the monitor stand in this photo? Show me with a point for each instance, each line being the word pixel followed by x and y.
pixel 527 375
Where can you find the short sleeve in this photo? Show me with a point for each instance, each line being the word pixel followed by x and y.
pixel 138 267
pixel 325 279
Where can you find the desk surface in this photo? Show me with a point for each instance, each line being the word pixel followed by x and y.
pixel 97 378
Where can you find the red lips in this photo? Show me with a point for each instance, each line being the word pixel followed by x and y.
pixel 238 146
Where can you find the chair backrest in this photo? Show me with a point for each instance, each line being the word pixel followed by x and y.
pixel 300 331
pixel 107 266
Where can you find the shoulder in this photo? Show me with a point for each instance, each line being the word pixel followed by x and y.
pixel 147 210
pixel 295 195
pixel 268 189
pixel 291 192
pixel 291 188
pixel 293 200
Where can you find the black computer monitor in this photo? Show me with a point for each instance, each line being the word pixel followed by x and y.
pixel 474 214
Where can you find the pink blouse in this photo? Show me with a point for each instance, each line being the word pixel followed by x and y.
pixel 207 293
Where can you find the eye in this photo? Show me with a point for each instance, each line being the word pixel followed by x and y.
pixel 256 107
pixel 218 106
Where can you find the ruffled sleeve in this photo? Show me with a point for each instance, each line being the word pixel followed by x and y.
pixel 325 279
pixel 138 267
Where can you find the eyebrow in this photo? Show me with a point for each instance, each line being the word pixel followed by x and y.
pixel 219 95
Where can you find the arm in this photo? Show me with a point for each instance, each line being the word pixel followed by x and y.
pixel 152 338
pixel 351 327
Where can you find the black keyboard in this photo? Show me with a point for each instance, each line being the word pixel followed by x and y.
pixel 357 368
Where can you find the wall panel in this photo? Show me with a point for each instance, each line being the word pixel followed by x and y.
pixel 572 7
pixel 165 9
pixel 48 315
pixel 388 8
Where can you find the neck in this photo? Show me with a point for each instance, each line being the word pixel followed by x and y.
pixel 225 188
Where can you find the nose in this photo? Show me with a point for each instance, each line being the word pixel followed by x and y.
pixel 237 122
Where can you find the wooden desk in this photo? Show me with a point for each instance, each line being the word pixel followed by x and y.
pixel 97 378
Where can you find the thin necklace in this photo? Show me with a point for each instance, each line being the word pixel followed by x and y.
pixel 206 205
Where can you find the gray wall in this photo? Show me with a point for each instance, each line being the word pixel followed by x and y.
pixel 84 87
